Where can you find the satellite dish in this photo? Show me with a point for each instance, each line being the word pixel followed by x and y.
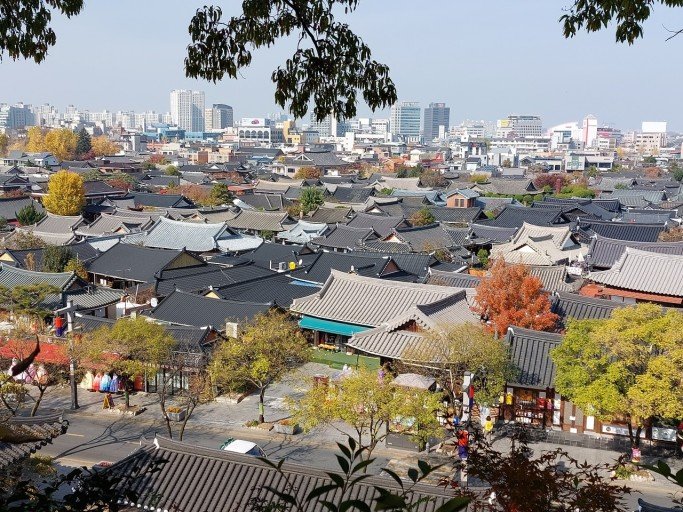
pixel 154 302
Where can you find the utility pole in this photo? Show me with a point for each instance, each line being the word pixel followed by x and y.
pixel 69 310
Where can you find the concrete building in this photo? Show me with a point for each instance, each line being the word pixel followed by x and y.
pixel 405 120
pixel 16 117
pixel 187 109
pixel 436 121
pixel 650 143
pixel 590 131
pixel 521 126
pixel 218 117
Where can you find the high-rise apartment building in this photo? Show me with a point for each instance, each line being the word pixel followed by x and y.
pixel 521 126
pixel 187 109
pixel 221 117
pixel 405 120
pixel 436 121
pixel 590 131
pixel 15 117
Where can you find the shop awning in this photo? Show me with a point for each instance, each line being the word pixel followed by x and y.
pixel 318 324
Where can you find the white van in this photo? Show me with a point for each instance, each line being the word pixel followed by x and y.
pixel 241 446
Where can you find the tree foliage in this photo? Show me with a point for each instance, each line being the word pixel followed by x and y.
pixel 432 178
pixel 629 366
pixel 21 240
pixel 674 234
pixel 102 146
pixel 267 348
pixel 310 199
pixel 517 480
pixel 329 71
pixel 220 194
pixel 367 400
pixel 129 347
pixel 65 194
pixel 28 299
pixel 61 142
pixel 28 215
pixel 627 16
pixel 451 350
pixel 4 144
pixel 308 173
pixel 77 266
pixel 509 295
pixel 56 257
pixel 84 144
pixel 422 217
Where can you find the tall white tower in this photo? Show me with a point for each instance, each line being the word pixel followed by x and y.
pixel 187 109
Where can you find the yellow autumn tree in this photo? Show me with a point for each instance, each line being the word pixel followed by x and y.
pixel 65 194
pixel 61 143
pixel 35 140
pixel 102 146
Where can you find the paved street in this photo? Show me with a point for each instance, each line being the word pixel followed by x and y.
pixel 95 435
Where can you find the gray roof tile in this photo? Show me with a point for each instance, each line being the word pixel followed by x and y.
pixel 530 354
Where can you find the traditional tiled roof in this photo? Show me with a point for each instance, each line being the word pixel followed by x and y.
pixel 577 307
pixel 647 196
pixel 185 308
pixel 107 224
pixel 303 232
pixel 279 288
pixel 644 271
pixel 271 254
pixel 331 215
pixel 537 245
pixel 200 278
pixel 515 216
pixel 82 250
pixel 93 297
pixel 13 276
pixel 355 195
pixel 55 229
pixel 381 224
pixel 173 234
pixel 412 263
pixel 576 206
pixel 604 252
pixel 494 234
pixel 621 230
pixel 345 237
pixel 31 433
pixel 134 262
pixel 451 215
pixel 261 221
pixel 267 202
pixel 530 354
pixel 454 279
pixel 319 270
pixel 363 300
pixel 511 187
pixel 9 206
pixel 426 238
pixel 554 278
pixel 157 200
pixel 190 477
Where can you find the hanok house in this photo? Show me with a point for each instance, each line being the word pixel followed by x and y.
pixel 23 436
pixel 349 304
pixel 530 396
pixel 639 276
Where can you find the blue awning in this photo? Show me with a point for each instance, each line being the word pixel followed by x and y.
pixel 318 324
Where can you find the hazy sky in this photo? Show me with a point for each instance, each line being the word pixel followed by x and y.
pixel 484 58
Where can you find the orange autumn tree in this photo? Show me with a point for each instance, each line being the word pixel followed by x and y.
pixel 509 295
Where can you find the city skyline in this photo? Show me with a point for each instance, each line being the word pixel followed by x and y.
pixel 486 69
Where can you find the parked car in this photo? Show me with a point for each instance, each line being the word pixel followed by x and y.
pixel 241 446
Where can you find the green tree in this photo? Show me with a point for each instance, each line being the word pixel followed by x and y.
pixel 483 257
pixel 130 347
pixel 56 257
pixel 367 401
pixel 220 194
pixel 84 144
pixel 422 217
pixel 650 160
pixel 627 367
pixel 28 299
pixel 310 199
pixel 65 194
pixel 29 215
pixel 449 351
pixel 172 170
pixel 267 348
pixel 676 170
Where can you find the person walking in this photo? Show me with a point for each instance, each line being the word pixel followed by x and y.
pixel 488 428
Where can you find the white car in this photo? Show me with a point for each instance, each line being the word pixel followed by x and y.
pixel 244 447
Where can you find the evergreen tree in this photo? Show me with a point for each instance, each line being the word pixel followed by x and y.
pixel 28 215
pixel 84 144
